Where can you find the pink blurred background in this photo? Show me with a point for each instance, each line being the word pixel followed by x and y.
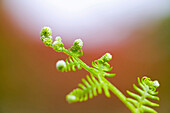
pixel 136 33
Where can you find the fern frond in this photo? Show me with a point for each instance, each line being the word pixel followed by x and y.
pixel 93 86
pixel 71 64
pixel 103 66
pixel 90 88
pixel 68 65
pixel 141 102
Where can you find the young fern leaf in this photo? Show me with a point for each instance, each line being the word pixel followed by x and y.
pixel 71 64
pixel 76 48
pixel 102 63
pixel 103 66
pixel 68 65
pixel 141 102
pixel 90 89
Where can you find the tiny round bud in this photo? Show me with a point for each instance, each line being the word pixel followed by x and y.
pixel 58 38
pixel 57 45
pixel 78 43
pixel 60 65
pixel 46 31
pixel 71 98
pixel 156 83
pixel 48 41
pixel 107 57
pixel 42 38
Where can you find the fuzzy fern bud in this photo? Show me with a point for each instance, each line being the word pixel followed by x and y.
pixel 107 57
pixel 46 31
pixel 58 44
pixel 47 40
pixel 71 98
pixel 46 36
pixel 61 65
pixel 78 44
pixel 58 38
pixel 156 83
pixel 42 38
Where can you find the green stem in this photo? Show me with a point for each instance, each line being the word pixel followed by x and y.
pixel 86 67
pixel 121 96
pixel 111 86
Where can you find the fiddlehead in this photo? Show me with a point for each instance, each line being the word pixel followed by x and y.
pixel 140 102
pixel 46 37
pixel 76 48
pixel 68 65
pixel 103 66
pixel 90 89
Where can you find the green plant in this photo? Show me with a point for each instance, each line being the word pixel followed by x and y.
pixel 96 82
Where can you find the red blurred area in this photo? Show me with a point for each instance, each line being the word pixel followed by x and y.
pixel 30 82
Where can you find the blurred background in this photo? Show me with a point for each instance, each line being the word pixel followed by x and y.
pixel 135 32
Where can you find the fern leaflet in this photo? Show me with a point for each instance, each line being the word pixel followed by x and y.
pixel 71 64
pixel 90 89
pixel 141 103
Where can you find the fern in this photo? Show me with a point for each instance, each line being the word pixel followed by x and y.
pixel 71 64
pixel 147 91
pixel 97 82
pixel 91 88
